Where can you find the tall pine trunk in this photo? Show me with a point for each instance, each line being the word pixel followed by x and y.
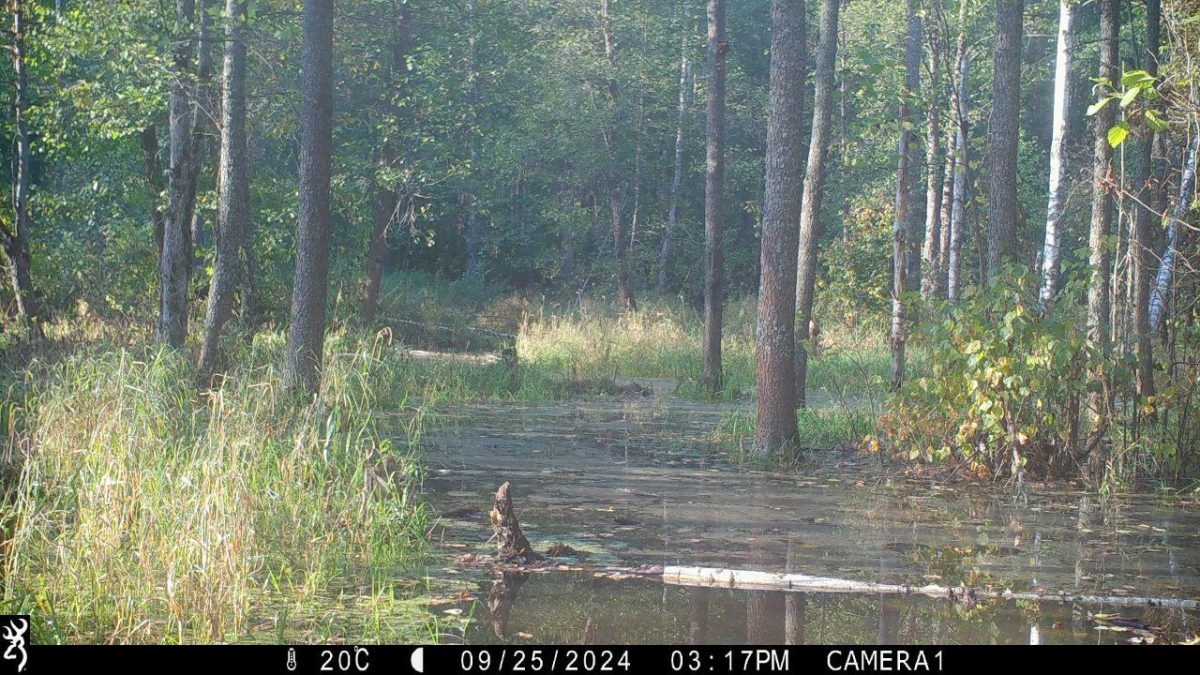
pixel 814 188
pixel 233 208
pixel 776 427
pixel 1143 218
pixel 306 335
pixel 714 197
pixel 904 227
pixel 1100 258
pixel 1002 134
pixel 1051 250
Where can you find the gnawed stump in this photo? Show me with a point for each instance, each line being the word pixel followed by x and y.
pixel 512 546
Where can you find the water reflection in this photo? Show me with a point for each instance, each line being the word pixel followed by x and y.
pixel 531 608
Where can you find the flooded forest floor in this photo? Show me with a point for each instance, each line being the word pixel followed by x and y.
pixel 640 479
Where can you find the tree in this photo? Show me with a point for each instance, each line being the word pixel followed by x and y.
pixel 470 199
pixel 14 237
pixel 1143 217
pixel 385 195
pixel 904 228
pixel 1166 268
pixel 306 335
pixel 814 189
pixel 776 426
pixel 1099 256
pixel 1054 209
pixel 930 278
pixel 668 241
pixel 1003 133
pixel 625 293
pixel 175 259
pixel 714 203
pixel 959 104
pixel 233 209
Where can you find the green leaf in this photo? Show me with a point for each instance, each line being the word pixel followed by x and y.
pixel 1117 134
pixel 1098 105
pixel 1137 78
pixel 1155 122
pixel 1129 96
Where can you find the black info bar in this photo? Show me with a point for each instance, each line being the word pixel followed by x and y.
pixel 533 659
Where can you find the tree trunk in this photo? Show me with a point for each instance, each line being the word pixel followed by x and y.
pixel 1143 217
pixel 814 188
pixel 668 242
pixel 947 206
pixel 1099 258
pixel 16 237
pixel 958 210
pixel 175 261
pixel 625 295
pixel 233 209
pixel 1003 132
pixel 306 335
pixel 1054 209
pixel 903 229
pixel 930 284
pixel 385 195
pixel 203 124
pixel 470 199
pixel 776 427
pixel 714 202
pixel 154 182
pixel 1166 268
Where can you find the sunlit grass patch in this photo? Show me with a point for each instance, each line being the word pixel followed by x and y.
pixel 148 509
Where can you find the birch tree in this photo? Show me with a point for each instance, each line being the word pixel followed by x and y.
pixel 904 229
pixel 814 188
pixel 668 241
pixel 1054 209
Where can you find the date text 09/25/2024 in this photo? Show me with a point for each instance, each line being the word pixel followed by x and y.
pixel 760 660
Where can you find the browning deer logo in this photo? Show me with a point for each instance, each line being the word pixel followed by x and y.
pixel 14 633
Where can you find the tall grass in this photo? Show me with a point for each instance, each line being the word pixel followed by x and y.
pixel 663 340
pixel 148 509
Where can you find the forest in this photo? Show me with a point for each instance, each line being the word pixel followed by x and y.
pixel 302 297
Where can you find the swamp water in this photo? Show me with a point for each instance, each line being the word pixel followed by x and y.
pixel 635 482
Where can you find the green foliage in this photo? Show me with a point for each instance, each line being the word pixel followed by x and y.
pixel 1002 380
pixel 856 283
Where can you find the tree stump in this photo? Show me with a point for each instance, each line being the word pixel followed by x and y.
pixel 513 547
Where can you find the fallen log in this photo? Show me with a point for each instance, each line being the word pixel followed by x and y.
pixel 711 577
